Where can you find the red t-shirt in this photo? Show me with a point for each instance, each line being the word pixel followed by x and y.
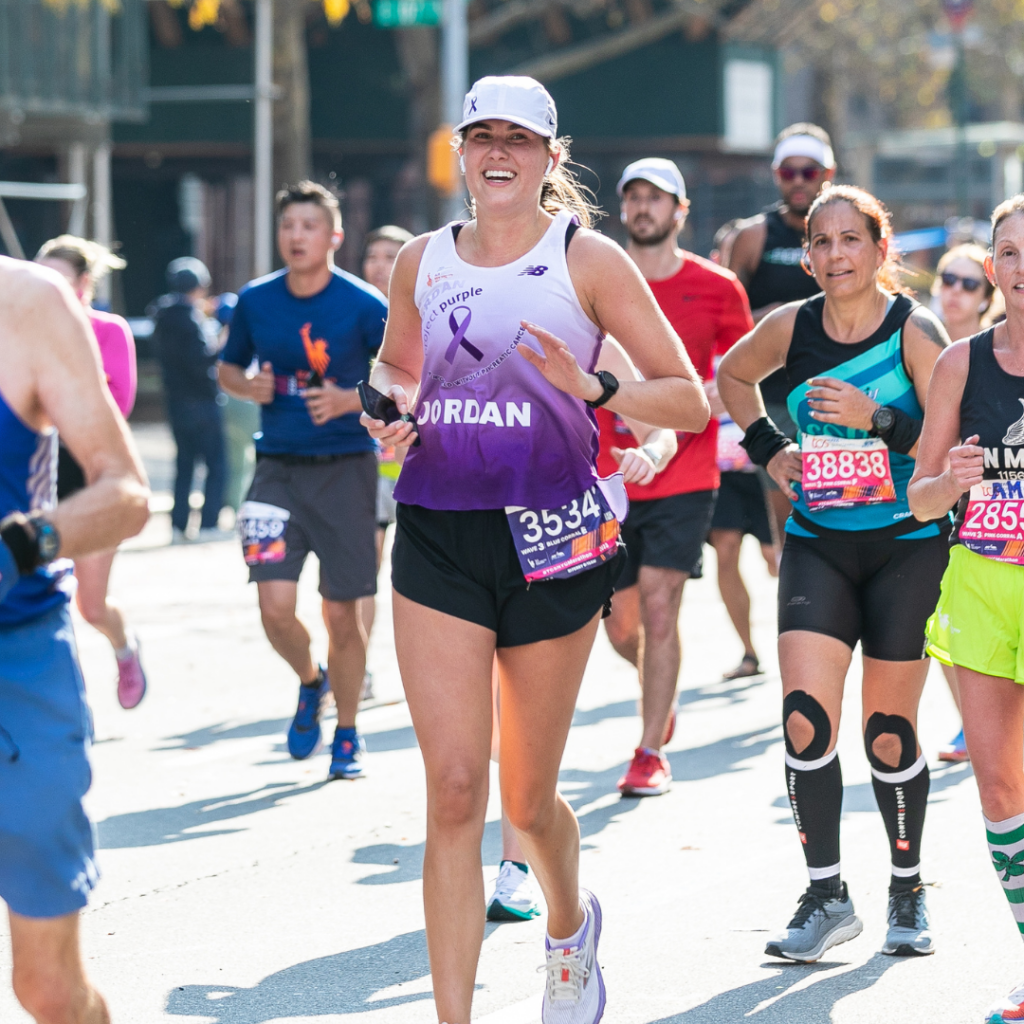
pixel 708 308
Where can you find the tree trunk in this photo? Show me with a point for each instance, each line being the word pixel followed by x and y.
pixel 293 156
pixel 416 205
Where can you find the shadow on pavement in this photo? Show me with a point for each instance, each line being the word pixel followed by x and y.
pixel 339 984
pixel 214 733
pixel 773 1001
pixel 581 789
pixel 733 691
pixel 159 825
pixel 406 862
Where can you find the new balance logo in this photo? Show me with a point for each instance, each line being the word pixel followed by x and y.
pixel 532 271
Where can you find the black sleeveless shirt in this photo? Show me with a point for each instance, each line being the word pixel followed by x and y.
pixel 992 407
pixel 779 278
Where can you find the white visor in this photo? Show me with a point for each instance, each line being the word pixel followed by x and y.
pixel 807 146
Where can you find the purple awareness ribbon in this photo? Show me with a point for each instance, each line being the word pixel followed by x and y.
pixel 459 336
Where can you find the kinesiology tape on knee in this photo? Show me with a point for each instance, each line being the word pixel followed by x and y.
pixel 892 725
pixel 806 705
pixel 901 792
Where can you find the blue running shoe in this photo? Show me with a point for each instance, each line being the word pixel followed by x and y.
pixel 346 755
pixel 304 738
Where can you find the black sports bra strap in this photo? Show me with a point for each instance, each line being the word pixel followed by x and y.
pixel 574 226
pixel 456 228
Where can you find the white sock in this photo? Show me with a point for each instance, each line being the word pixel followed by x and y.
pixel 124 653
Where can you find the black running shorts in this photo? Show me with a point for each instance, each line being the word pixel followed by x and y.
pixel 667 533
pixel 741 506
pixel 465 564
pixel 880 592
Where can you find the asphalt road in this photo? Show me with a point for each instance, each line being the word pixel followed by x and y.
pixel 240 887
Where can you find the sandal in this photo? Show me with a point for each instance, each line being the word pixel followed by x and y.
pixel 749 666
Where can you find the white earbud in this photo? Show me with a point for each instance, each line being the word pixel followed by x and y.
pixel 622 216
pixel 551 165
pixel 678 215
pixel 462 163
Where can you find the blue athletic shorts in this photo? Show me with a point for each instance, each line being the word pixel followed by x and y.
pixel 46 844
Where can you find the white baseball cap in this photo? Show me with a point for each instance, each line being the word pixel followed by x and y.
pixel 523 101
pixel 806 146
pixel 658 171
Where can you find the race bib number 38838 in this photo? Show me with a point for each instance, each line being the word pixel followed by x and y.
pixel 993 525
pixel 563 542
pixel 840 472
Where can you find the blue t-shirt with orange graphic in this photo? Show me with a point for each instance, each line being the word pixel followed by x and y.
pixel 334 333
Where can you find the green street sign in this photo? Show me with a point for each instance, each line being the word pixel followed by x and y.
pixel 401 13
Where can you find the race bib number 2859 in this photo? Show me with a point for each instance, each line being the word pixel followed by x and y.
pixel 841 472
pixel 994 522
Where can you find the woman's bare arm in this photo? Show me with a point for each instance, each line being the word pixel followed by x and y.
pixel 945 468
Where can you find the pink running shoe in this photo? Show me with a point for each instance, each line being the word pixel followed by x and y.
pixel 131 679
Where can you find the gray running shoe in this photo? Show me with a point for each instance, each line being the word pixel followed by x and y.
pixel 818 924
pixel 909 928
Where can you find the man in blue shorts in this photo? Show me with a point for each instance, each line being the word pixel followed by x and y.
pixel 300 340
pixel 50 377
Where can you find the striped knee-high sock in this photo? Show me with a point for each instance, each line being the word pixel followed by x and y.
pixel 1006 847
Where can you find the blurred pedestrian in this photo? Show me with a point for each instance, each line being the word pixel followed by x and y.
pixel 766 255
pixel 50 377
pixel 312 330
pixel 380 250
pixel 186 345
pixel 670 516
pixel 740 509
pixel 241 420
pixel 82 263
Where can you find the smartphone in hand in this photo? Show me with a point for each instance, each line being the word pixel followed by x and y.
pixel 381 407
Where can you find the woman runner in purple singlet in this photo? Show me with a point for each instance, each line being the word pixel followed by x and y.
pixel 505 542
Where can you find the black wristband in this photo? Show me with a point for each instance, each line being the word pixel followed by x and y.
pixel 20 536
pixel 904 432
pixel 763 441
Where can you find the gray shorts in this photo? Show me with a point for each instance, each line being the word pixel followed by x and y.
pixel 327 508
pixel 386 507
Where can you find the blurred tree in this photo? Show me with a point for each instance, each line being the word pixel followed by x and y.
pixel 888 63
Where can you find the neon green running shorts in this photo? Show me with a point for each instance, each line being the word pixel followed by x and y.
pixel 979 620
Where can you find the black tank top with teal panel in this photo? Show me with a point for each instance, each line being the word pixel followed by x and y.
pixel 28 481
pixel 876 366
pixel 992 407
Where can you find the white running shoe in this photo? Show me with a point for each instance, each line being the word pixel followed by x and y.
pixel 512 899
pixel 574 992
pixel 1012 1008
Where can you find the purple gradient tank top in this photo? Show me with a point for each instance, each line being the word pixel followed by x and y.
pixel 493 431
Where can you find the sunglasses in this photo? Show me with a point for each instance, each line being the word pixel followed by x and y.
pixel 969 284
pixel 792 173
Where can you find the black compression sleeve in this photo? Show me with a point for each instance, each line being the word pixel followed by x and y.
pixel 904 432
pixel 763 441
pixel 17 533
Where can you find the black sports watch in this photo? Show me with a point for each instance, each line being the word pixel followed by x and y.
pixel 610 385
pixel 882 421
pixel 33 540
